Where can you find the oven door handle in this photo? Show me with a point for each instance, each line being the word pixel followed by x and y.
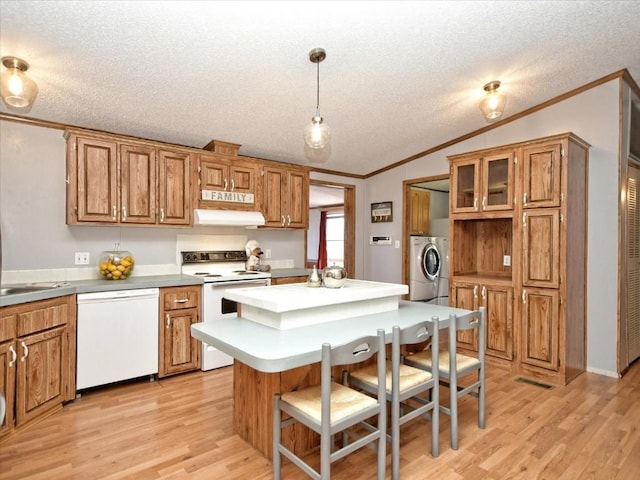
pixel 263 282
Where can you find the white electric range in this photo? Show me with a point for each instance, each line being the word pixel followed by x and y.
pixel 221 270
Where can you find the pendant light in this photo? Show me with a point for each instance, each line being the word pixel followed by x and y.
pixel 492 105
pixel 16 88
pixel 317 134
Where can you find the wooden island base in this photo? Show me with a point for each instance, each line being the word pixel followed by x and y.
pixel 253 393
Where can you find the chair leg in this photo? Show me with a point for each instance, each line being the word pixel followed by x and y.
pixel 453 396
pixel 481 402
pixel 277 434
pixel 395 438
pixel 435 421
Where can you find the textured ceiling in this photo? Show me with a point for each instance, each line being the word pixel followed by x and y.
pixel 399 78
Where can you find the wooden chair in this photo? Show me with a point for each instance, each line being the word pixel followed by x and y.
pixel 403 385
pixel 330 408
pixel 453 367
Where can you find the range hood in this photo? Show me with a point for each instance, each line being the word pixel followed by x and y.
pixel 230 218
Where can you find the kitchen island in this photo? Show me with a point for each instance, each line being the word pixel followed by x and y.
pixel 270 360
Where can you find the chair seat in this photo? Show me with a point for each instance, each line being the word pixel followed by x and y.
pixel 344 401
pixel 463 362
pixel 409 376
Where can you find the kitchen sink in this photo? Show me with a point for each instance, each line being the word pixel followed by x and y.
pixel 23 289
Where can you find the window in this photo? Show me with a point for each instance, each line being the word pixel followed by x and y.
pixel 335 239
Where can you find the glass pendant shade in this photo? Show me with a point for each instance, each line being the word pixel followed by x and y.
pixel 317 133
pixel 16 88
pixel 492 105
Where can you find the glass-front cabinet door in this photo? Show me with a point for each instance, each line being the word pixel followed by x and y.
pixel 465 185
pixel 497 182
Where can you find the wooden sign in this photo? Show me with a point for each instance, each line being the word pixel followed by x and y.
pixel 381 212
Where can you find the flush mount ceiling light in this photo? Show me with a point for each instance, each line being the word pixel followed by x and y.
pixel 492 105
pixel 317 134
pixel 16 88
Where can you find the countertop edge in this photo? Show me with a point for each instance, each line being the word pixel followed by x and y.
pixel 90 286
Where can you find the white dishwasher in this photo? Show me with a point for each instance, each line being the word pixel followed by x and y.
pixel 117 336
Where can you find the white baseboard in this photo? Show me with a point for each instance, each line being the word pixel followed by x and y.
pixel 606 373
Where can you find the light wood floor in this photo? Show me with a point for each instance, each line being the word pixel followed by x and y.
pixel 181 427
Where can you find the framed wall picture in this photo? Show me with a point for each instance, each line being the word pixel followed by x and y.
pixel 381 212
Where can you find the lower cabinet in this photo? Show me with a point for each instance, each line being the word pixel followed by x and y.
pixel 179 309
pixel 540 328
pixel 37 354
pixel 288 280
pixel 498 300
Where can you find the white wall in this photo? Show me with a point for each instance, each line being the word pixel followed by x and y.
pixel 592 115
pixel 32 216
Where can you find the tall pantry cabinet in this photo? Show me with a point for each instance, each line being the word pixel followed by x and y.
pixel 518 227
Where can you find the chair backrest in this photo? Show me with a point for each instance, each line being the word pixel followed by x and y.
pixel 474 319
pixel 418 333
pixel 355 351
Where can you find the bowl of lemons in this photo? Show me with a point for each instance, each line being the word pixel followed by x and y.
pixel 116 264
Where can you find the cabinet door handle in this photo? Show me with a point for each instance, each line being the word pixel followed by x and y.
pixel 161 215
pixel 484 292
pixel 475 203
pixel 225 184
pixel 484 202
pixel 26 351
pixel 282 222
pixel 524 199
pixel 289 217
pixel 475 291
pixel 524 296
pixel 524 219
pixel 124 212
pixel 14 356
pixel 115 212
pixel 181 300
pixel 168 320
pixel 233 185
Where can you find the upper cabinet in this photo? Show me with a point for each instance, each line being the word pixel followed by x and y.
pixel 225 180
pixel 420 204
pixel 118 182
pixel 482 183
pixel 541 175
pixel 285 202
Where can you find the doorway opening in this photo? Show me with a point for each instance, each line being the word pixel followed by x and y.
pixel 332 224
pixel 425 210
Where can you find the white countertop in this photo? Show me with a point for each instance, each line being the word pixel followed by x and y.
pixel 272 350
pixel 296 305
pixel 298 296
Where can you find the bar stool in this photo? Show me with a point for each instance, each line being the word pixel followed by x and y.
pixel 403 384
pixel 453 367
pixel 330 408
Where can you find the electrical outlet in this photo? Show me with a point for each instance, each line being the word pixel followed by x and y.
pixel 82 258
pixel 267 253
pixel 506 260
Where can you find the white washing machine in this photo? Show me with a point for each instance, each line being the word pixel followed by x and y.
pixel 429 270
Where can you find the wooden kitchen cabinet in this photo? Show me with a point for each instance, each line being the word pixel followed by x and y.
pixel 420 204
pixel 115 181
pixel 228 183
pixel 482 181
pixel 285 196
pixel 526 244
pixel 40 376
pixel 8 359
pixel 498 301
pixel 288 280
pixel 540 328
pixel 180 308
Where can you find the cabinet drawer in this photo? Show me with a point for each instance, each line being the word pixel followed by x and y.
pixel 42 316
pixel 181 297
pixel 7 327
